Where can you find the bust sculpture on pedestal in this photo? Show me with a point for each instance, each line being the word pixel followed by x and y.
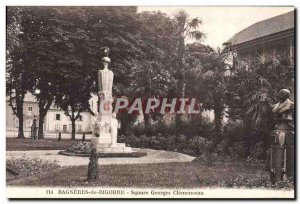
pixel 281 155
pixel 105 131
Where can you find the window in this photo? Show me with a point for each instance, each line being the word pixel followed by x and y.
pixel 29 110
pixel 64 128
pixel 57 117
pixel 57 127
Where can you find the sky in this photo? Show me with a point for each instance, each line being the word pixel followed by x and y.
pixel 221 23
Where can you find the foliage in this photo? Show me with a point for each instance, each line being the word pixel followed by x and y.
pixel 193 138
pixel 43 68
pixel 261 82
pixel 17 63
pixel 256 85
pixel 258 151
pixel 80 147
pixel 57 49
pixel 185 29
pixel 208 81
pixel 28 167
pixel 199 145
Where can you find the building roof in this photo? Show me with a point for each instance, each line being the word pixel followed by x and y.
pixel 28 98
pixel 264 28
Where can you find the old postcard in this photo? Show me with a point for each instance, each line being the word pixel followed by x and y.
pixel 114 102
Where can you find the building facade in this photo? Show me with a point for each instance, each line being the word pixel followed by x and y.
pixel 30 109
pixel 55 121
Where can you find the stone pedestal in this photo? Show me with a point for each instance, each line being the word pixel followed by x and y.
pixel 281 152
pixel 104 145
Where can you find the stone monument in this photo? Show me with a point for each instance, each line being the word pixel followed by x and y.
pixel 281 151
pixel 105 131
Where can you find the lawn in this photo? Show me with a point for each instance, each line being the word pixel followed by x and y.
pixel 14 144
pixel 162 175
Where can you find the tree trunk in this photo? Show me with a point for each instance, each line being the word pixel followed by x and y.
pixel 41 126
pixel 21 131
pixel 20 115
pixel 218 120
pixel 44 106
pixel 218 123
pixel 73 129
pixel 181 63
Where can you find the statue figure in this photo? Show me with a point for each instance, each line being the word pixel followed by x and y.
pixel 281 151
pixel 114 129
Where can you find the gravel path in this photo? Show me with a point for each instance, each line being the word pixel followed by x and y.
pixel 153 156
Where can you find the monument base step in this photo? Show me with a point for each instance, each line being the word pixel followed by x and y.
pixel 118 145
pixel 115 149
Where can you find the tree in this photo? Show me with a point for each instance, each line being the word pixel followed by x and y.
pixel 74 101
pixel 17 73
pixel 73 52
pixel 152 74
pixel 185 28
pixel 207 78
pixel 37 31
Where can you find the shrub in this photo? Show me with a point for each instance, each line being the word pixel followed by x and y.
pixel 137 142
pixel 154 143
pixel 258 151
pixel 133 141
pixel 121 138
pixel 199 145
pixel 80 147
pixel 181 142
pixel 234 130
pixel 188 137
pixel 144 141
pixel 170 144
pixel 30 166
pixel 162 141
pixel 238 149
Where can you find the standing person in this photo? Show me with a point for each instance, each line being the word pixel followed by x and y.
pixel 34 128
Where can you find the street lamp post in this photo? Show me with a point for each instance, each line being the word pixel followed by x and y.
pixel 34 125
